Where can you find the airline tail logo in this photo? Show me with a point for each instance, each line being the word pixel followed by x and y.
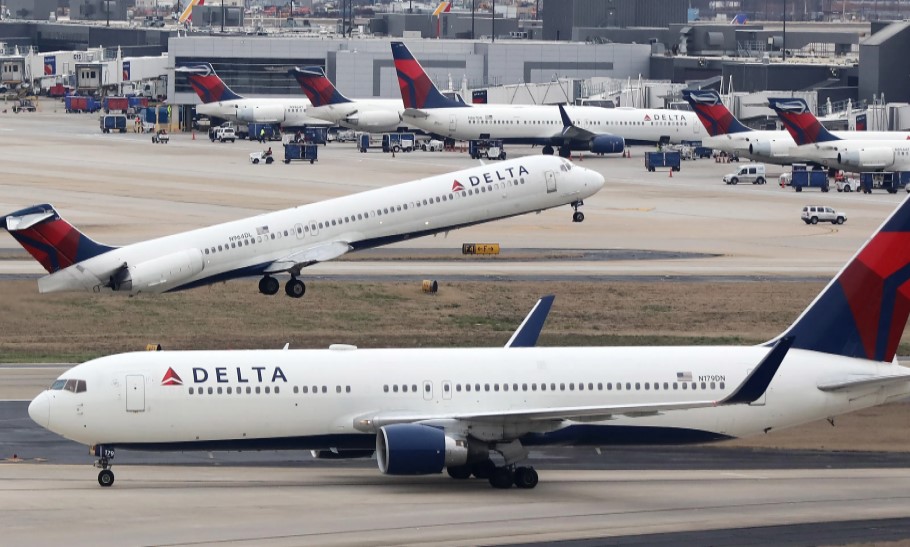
pixel 712 113
pixel 52 241
pixel 863 311
pixel 417 90
pixel 207 85
pixel 457 186
pixel 802 125
pixel 171 378
pixel 318 88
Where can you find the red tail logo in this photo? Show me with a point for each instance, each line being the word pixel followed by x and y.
pixel 171 378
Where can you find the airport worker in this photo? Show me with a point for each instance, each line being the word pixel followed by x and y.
pixel 262 134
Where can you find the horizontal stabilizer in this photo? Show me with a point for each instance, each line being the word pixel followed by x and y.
pixel 863 382
pixel 416 113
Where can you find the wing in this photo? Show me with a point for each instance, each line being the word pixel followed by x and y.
pixel 318 253
pixel 751 389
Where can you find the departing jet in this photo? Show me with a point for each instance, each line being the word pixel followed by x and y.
pixel 849 151
pixel 370 115
pixel 425 410
pixel 289 240
pixel 599 130
pixel 219 101
pixel 729 135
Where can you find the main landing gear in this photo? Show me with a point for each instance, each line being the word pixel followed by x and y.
pixel 577 216
pixel 294 288
pixel 105 455
pixel 502 477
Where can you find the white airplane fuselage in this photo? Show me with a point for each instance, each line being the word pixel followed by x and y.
pixel 860 155
pixel 370 115
pixel 321 399
pixel 536 124
pixel 287 112
pixel 324 230
pixel 778 147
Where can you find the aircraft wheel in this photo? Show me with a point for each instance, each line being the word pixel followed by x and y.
pixel 295 288
pixel 483 469
pixel 526 477
pixel 269 285
pixel 502 477
pixel 106 478
pixel 459 472
pixel 565 152
pixel 578 216
pixel 548 150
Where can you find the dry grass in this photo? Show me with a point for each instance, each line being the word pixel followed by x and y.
pixel 74 327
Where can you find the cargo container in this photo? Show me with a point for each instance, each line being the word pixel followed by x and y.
pixel 120 104
pixel 113 122
pixel 671 159
pixel 300 151
pixel 815 178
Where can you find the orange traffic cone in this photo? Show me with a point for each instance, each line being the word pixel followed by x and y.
pixel 194 135
pixel 671 172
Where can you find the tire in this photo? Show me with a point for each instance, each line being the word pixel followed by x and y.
pixel 269 285
pixel 459 472
pixel 759 180
pixel 526 477
pixel 814 220
pixel 799 188
pixel 502 478
pixel 269 160
pixel 840 220
pixel 255 161
pixel 312 162
pixel 483 469
pixel 106 478
pixel 502 156
pixel 396 149
pixel 287 160
pixel 734 180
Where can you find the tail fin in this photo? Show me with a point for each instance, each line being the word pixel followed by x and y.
pixel 318 88
pixel 863 311
pixel 206 83
pixel 709 108
pixel 417 90
pixel 187 14
pixel 54 242
pixel 803 126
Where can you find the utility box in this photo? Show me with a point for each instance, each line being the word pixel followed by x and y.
pixel 671 159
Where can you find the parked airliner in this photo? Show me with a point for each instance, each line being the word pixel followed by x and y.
pixel 219 101
pixel 289 240
pixel 850 153
pixel 370 115
pixel 727 134
pixel 599 130
pixel 426 410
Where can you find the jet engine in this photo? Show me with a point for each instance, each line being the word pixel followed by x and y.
pixel 261 113
pixel 414 449
pixel 867 158
pixel 769 148
pixel 158 274
pixel 376 120
pixel 607 144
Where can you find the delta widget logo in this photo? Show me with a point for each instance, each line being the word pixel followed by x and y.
pixel 457 187
pixel 171 378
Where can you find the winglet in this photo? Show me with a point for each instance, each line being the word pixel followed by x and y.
pixel 566 121
pixel 760 378
pixel 527 333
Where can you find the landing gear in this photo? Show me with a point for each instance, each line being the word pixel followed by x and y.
pixel 269 285
pixel 502 478
pixel 522 477
pixel 525 477
pixel 483 469
pixel 565 152
pixel 105 455
pixel 295 288
pixel 548 150
pixel 577 216
pixel 459 472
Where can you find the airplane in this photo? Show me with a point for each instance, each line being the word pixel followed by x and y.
pixel 187 14
pixel 370 115
pixel 287 241
pixel 219 101
pixel 427 410
pixel 727 134
pixel 599 130
pixel 848 153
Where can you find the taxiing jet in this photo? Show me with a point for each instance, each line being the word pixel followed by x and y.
pixel 289 240
pixel 370 115
pixel 428 410
pixel 729 135
pixel 219 101
pixel 598 130
pixel 849 151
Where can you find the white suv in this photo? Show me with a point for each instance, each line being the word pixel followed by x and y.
pixel 813 214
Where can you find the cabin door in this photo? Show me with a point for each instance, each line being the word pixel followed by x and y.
pixel 551 181
pixel 135 393
pixel 453 123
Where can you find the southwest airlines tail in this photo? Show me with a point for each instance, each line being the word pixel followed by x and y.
pixel 54 242
pixel 207 84
pixel 318 88
pixel 716 118
pixel 802 125
pixel 863 311
pixel 187 14
pixel 417 90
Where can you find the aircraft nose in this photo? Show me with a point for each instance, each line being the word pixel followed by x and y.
pixel 40 410
pixel 596 180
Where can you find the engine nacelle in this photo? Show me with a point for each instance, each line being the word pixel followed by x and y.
pixel 341 454
pixel 769 148
pixel 414 449
pixel 374 121
pixel 867 158
pixel 607 144
pixel 261 113
pixel 158 274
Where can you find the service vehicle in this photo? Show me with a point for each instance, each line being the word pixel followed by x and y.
pixel 486 148
pixel 750 172
pixel 848 184
pixel 398 142
pixel 113 122
pixel 813 214
pixel 224 134
pixel 432 145
pixel 161 137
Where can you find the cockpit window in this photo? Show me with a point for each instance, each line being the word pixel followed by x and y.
pixel 76 386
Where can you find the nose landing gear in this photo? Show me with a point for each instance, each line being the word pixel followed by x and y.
pixel 577 216
pixel 105 455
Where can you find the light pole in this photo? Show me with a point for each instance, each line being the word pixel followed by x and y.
pixel 222 16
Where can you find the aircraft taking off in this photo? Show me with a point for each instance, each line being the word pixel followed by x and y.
pixel 425 410
pixel 850 153
pixel 219 101
pixel 728 134
pixel 599 130
pixel 289 240
pixel 370 115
